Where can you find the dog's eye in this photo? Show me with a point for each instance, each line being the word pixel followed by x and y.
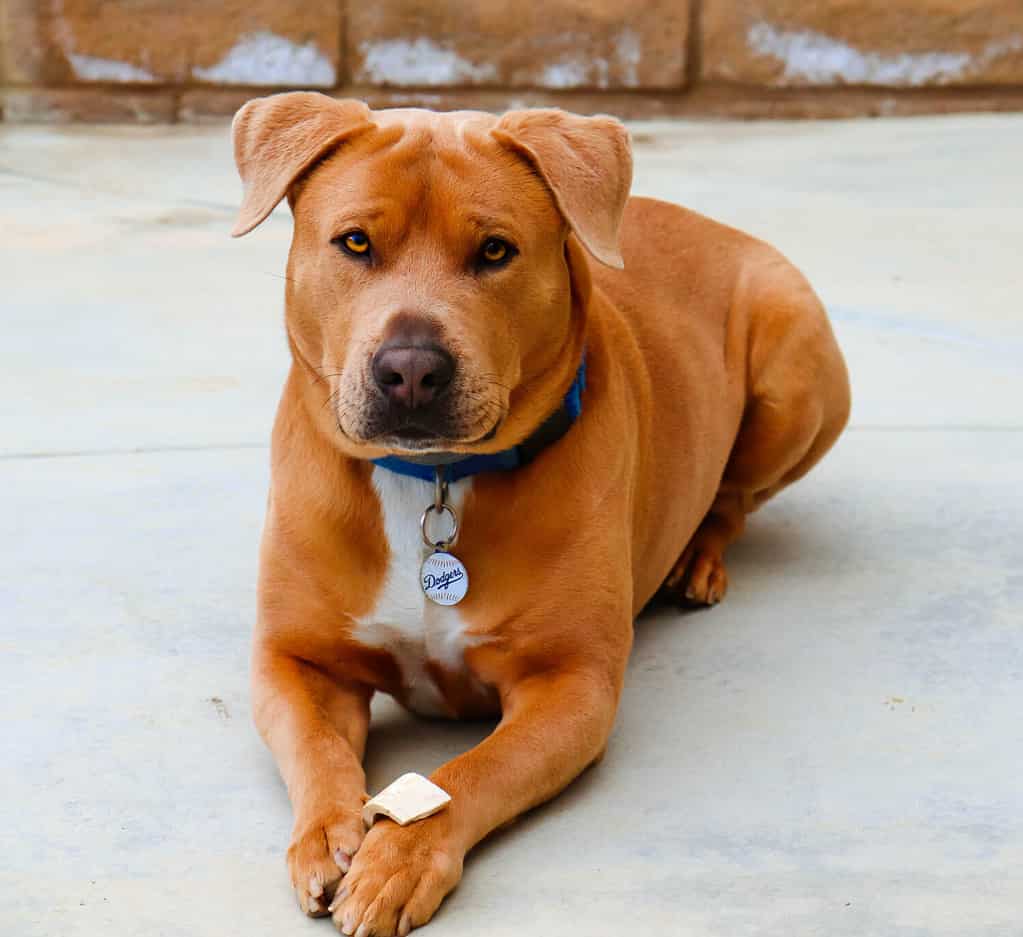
pixel 495 252
pixel 354 242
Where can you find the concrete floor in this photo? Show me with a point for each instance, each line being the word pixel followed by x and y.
pixel 836 750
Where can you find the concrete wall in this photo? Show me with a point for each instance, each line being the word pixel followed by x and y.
pixel 162 61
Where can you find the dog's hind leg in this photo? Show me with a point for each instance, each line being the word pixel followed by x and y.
pixel 768 454
pixel 798 408
pixel 699 576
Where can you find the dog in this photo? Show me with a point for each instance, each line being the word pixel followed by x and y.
pixel 487 333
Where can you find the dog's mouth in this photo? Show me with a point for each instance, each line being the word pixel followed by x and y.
pixel 456 421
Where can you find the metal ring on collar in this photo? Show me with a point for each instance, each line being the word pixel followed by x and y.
pixel 440 490
pixel 440 544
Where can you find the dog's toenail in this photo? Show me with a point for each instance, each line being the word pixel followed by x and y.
pixel 315 888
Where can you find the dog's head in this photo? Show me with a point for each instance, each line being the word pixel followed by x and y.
pixel 434 290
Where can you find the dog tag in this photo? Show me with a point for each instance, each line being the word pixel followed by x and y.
pixel 444 579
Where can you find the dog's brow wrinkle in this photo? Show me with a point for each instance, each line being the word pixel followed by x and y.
pixel 370 211
pixel 482 220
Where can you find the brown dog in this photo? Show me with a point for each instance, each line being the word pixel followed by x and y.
pixel 442 297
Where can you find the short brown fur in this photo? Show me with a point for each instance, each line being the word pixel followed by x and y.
pixel 713 380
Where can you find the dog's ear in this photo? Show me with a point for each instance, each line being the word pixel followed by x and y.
pixel 586 163
pixel 277 138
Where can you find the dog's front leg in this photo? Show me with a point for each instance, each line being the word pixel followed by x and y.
pixel 555 724
pixel 316 729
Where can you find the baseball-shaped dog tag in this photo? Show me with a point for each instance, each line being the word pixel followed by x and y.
pixel 444 579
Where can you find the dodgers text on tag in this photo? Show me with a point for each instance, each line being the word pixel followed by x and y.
pixel 444 579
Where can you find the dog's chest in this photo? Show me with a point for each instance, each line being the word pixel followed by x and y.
pixel 425 639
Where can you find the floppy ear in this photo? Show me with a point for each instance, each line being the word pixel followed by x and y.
pixel 277 138
pixel 586 163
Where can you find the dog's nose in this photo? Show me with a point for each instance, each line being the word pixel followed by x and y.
pixel 412 375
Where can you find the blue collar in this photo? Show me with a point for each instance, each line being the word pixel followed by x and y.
pixel 550 431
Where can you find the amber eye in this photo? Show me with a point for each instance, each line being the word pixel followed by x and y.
pixel 354 242
pixel 495 251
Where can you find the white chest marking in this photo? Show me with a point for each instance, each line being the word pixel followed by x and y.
pixel 405 622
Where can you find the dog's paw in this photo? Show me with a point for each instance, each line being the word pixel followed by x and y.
pixel 319 856
pixel 398 879
pixel 699 577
